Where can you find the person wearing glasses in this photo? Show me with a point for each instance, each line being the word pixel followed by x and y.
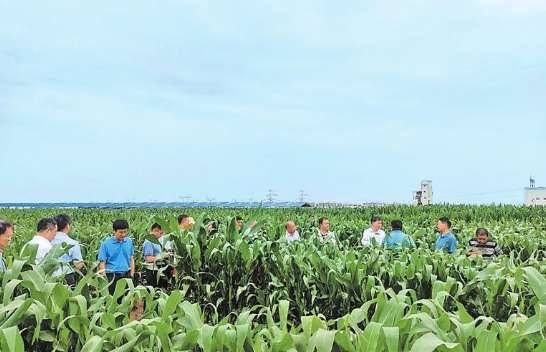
pixel 6 230
pixel 45 233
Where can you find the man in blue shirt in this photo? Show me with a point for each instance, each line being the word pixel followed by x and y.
pixel 396 239
pixel 445 239
pixel 116 259
pixel 73 259
pixel 150 252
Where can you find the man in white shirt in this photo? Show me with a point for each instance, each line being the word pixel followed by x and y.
pixel 46 231
pixel 324 232
pixel 291 232
pixel 373 233
pixel 73 259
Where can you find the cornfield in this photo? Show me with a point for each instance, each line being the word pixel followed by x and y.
pixel 258 292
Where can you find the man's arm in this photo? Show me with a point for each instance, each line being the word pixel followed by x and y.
pixel 102 268
pixel 77 256
pixel 148 251
pixel 365 240
pixel 498 251
pixel 132 261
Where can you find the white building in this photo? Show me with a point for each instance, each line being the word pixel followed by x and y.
pixel 423 196
pixel 535 196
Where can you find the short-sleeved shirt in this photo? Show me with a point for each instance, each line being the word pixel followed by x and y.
pixel 3 266
pixel 327 237
pixel 369 234
pixel 74 253
pixel 447 242
pixel 149 248
pixel 397 239
pixel 44 246
pixel 292 237
pixel 116 254
pixel 489 249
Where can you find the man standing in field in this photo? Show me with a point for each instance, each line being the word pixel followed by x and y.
pixel 396 239
pixel 482 245
pixel 116 255
pixel 183 221
pixel 73 259
pixel 374 233
pixel 240 225
pixel 324 232
pixel 150 251
pixel 291 232
pixel 6 231
pixel 445 239
pixel 45 233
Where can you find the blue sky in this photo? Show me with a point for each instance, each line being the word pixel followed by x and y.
pixel 352 102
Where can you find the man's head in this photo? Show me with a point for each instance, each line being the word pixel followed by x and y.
pixel 64 224
pixel 443 225
pixel 396 224
pixel 156 230
pixel 290 227
pixel 183 221
pixel 6 230
pixel 324 225
pixel 212 226
pixel 376 223
pixel 239 222
pixel 47 228
pixel 482 235
pixel 121 228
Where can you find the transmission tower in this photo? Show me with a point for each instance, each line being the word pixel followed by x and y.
pixel 302 195
pixel 271 195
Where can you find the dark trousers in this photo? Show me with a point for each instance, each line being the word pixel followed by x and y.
pixel 70 279
pixel 164 280
pixel 113 279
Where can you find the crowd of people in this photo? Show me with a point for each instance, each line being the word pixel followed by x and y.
pixel 116 253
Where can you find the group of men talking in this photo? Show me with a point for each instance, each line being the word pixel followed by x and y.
pixel 396 239
pixel 116 253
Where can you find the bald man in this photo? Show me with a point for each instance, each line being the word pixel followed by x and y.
pixel 291 232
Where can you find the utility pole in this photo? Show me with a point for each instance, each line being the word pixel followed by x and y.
pixel 271 195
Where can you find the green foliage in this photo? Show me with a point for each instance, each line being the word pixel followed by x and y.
pixel 256 292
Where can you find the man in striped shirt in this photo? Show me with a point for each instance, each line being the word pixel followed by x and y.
pixel 482 245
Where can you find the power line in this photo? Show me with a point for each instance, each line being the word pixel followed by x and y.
pixel 482 193
pixel 491 198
